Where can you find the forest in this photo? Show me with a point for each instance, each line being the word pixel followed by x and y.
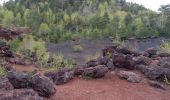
pixel 61 20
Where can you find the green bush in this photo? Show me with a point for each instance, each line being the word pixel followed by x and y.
pixel 15 45
pixel 70 63
pixel 3 71
pixel 165 47
pixel 77 48
pixel 57 61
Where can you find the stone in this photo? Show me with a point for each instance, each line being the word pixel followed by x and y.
pixel 110 65
pixel 118 60
pixel 124 51
pixel 143 68
pixel 156 73
pixel 20 94
pixel 92 63
pixel 157 85
pixel 109 49
pixel 43 85
pixel 61 76
pixel 130 76
pixel 142 60
pixel 164 54
pixel 95 72
pixel 19 79
pixel 5 50
pixel 5 84
pixel 151 51
pixel 9 67
pixel 78 70
pixel 123 61
pixel 103 60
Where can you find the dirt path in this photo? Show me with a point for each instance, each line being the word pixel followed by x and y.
pixel 109 88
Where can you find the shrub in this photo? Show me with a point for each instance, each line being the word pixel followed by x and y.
pixel 15 45
pixel 57 61
pixel 77 48
pixel 165 47
pixel 38 49
pixel 70 63
pixel 166 80
pixel 3 71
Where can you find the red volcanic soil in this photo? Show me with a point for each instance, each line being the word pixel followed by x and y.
pixel 109 88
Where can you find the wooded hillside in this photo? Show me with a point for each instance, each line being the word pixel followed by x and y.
pixel 60 20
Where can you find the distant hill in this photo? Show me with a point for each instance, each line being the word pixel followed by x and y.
pixel 60 20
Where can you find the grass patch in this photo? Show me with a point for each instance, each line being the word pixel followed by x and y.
pixel 77 48
pixel 165 47
pixel 3 71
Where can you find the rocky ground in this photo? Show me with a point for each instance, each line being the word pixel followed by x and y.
pixel 117 73
pixel 92 48
pixel 109 88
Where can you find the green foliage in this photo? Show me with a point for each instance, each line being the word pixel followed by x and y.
pixel 70 63
pixel 166 80
pixel 3 71
pixel 15 45
pixel 60 20
pixel 38 49
pixel 44 30
pixel 165 47
pixel 8 19
pixel 77 48
pixel 57 61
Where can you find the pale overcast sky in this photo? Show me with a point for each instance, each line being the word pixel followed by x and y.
pixel 152 4
pixel 1 1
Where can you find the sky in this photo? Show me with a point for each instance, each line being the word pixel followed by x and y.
pixel 151 4
pixel 1 1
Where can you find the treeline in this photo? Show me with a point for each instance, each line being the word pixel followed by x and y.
pixel 60 20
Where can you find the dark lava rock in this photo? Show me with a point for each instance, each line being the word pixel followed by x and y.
pixel 5 50
pixel 61 76
pixel 92 63
pixel 166 68
pixel 20 94
pixel 164 63
pixel 143 68
pixel 95 72
pixel 156 73
pixel 136 53
pixel 124 61
pixel 109 49
pixel 151 51
pixel 129 62
pixel 145 54
pixel 110 65
pixel 5 84
pixel 164 54
pixel 159 72
pixel 43 85
pixel 124 51
pixel 156 85
pixel 130 76
pixel 9 67
pixel 103 60
pixel 142 60
pixel 20 61
pixel 118 60
pixel 19 79
pixel 78 70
